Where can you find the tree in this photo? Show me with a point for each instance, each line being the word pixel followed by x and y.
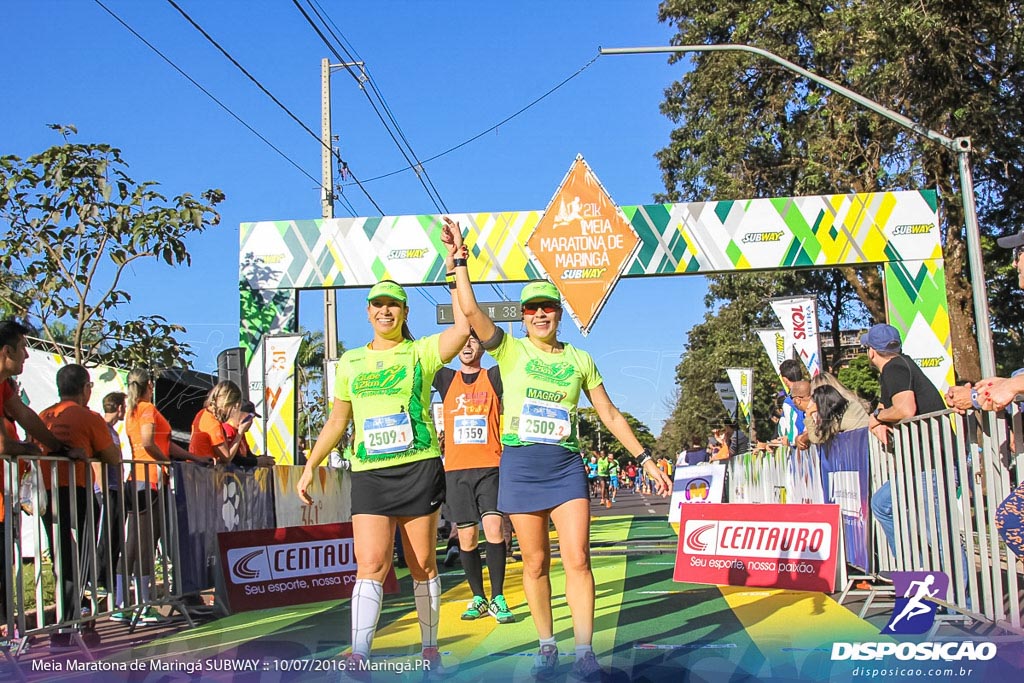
pixel 861 377
pixel 595 436
pixel 748 127
pixel 72 222
pixel 309 366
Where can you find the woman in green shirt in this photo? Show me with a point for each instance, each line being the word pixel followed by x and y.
pixel 397 475
pixel 542 476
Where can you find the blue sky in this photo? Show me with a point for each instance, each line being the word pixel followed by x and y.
pixel 448 71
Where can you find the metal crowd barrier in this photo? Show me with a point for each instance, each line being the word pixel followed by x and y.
pixel 93 535
pixel 156 529
pixel 948 473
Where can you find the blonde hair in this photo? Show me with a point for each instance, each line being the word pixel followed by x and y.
pixel 222 398
pixel 138 382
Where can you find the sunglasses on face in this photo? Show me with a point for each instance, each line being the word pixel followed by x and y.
pixel 547 307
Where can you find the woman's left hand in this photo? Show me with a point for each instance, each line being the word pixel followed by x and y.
pixel 662 484
pixel 451 235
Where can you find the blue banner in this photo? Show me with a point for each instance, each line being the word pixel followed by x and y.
pixel 844 480
pixel 210 501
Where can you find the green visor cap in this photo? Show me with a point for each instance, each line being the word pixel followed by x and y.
pixel 539 290
pixel 392 290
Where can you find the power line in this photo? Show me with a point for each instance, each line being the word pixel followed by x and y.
pixel 491 129
pixel 414 162
pixel 210 95
pixel 271 96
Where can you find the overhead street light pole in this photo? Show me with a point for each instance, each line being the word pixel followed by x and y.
pixel 960 146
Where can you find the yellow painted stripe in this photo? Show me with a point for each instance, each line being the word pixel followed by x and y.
pixel 772 619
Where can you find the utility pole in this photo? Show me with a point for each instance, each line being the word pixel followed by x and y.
pixel 327 209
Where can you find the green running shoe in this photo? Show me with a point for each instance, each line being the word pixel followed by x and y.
pixel 477 608
pixel 500 611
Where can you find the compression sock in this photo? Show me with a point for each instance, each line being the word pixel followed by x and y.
pixel 474 570
pixel 496 557
pixel 428 608
pixel 367 596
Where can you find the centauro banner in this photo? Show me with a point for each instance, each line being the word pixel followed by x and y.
pixel 799 318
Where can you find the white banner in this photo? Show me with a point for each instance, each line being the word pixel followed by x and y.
pixel 742 383
pixel 703 483
pixel 799 318
pixel 727 396
pixel 776 346
pixel 279 354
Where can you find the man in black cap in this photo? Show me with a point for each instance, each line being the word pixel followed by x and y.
pixel 905 391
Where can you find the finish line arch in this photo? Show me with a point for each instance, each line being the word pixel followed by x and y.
pixel 896 229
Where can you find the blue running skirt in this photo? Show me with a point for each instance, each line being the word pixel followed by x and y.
pixel 539 477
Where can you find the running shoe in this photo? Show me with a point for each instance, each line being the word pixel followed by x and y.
pixel 587 668
pixel 121 617
pixel 477 608
pixel 150 616
pixel 432 669
pixel 545 662
pixel 356 668
pixel 500 611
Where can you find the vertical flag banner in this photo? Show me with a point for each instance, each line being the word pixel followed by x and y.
pixel 728 396
pixel 776 346
pixel 742 384
pixel 279 354
pixel 799 318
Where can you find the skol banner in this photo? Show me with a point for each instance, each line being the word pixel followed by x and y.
pixel 728 396
pixel 331 491
pixel 280 567
pixel 279 354
pixel 742 380
pixel 769 546
pixel 844 480
pixel 776 346
pixel 702 483
pixel 799 318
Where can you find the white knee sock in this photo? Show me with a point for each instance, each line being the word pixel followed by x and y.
pixel 428 608
pixel 367 597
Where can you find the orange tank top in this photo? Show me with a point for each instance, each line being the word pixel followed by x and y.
pixel 471 429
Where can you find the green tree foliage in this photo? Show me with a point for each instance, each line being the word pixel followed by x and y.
pixel 590 427
pixel 71 222
pixel 861 377
pixel 750 128
pixel 309 367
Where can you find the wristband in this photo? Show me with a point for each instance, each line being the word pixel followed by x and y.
pixel 875 414
pixel 460 263
pixel 644 457
pixel 450 274
pixel 452 285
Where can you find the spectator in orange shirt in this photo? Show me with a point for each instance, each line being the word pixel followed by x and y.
pixel 149 434
pixel 208 437
pixel 71 421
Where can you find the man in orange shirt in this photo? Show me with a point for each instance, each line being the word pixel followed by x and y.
pixel 13 354
pixel 472 450
pixel 71 421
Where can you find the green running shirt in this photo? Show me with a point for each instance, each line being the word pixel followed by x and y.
pixel 390 396
pixel 542 392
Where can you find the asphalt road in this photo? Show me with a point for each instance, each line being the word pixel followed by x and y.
pixel 629 503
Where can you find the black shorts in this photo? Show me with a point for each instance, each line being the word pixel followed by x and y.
pixel 472 494
pixel 411 490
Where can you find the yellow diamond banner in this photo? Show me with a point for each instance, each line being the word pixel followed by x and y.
pixel 582 242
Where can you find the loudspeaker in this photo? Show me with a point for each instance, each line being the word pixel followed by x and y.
pixel 231 366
